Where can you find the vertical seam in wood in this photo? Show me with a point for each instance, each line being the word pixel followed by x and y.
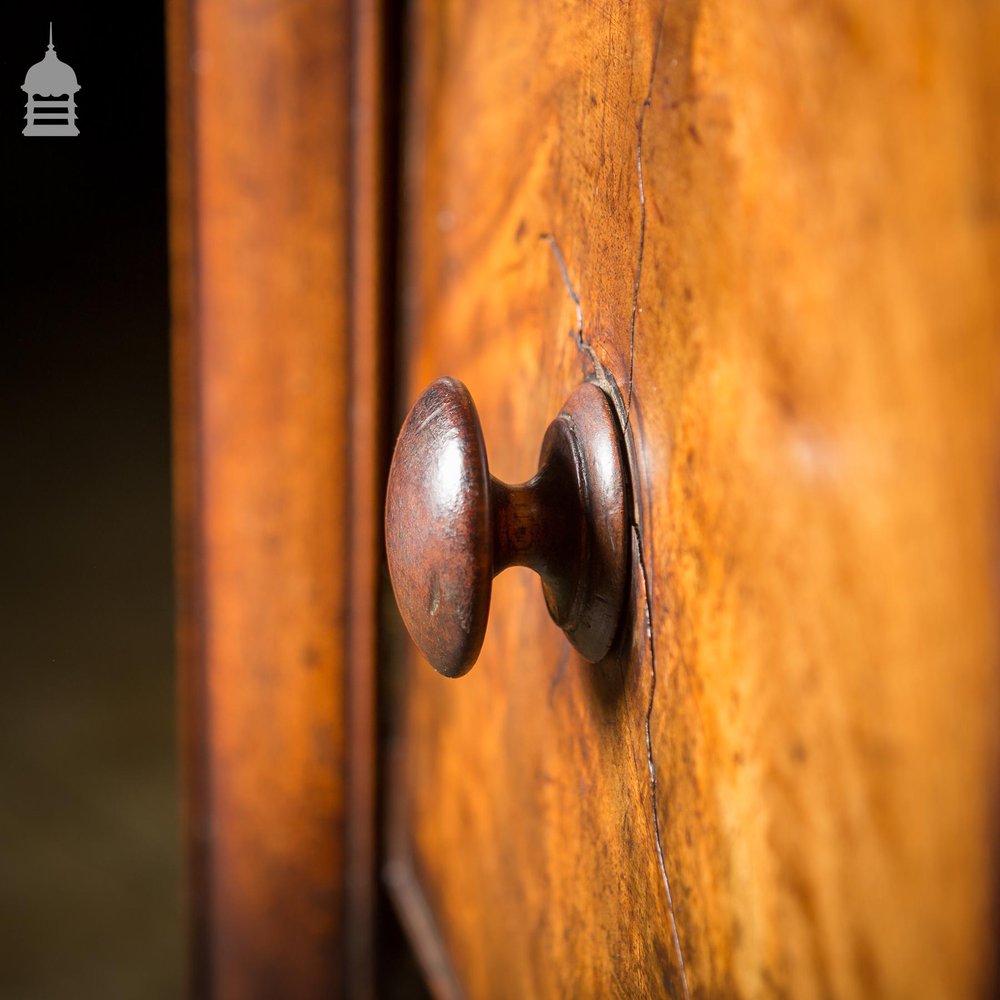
pixel 642 207
pixel 640 554
pixel 651 762
pixel 607 382
pixel 189 571
pixel 364 325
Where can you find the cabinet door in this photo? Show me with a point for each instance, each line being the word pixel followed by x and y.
pixel 773 228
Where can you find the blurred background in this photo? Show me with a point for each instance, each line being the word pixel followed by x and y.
pixel 90 876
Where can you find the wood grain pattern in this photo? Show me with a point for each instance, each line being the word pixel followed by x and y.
pixel 277 476
pixel 775 227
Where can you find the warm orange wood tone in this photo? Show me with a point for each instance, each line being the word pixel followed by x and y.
pixel 278 502
pixel 371 177
pixel 779 224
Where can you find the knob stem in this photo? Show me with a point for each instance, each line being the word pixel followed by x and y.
pixel 535 524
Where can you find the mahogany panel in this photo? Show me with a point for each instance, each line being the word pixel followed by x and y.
pixel 774 230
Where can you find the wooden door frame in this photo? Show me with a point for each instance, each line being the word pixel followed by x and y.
pixel 276 123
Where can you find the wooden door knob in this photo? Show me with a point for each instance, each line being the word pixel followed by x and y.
pixel 451 527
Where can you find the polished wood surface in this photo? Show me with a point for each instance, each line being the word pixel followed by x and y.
pixel 450 526
pixel 276 333
pixel 774 229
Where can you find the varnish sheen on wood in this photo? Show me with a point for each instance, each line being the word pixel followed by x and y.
pixel 775 227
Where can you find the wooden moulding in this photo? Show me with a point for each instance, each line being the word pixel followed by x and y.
pixel 276 362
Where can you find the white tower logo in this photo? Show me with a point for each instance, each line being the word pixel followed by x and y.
pixel 53 79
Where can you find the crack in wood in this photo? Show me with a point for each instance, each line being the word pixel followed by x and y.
pixel 582 344
pixel 640 553
pixel 587 351
pixel 651 763
pixel 642 208
pixel 561 261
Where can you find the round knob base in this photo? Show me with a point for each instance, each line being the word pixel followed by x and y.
pixel 588 603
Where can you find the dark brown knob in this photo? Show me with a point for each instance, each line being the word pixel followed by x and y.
pixel 451 527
